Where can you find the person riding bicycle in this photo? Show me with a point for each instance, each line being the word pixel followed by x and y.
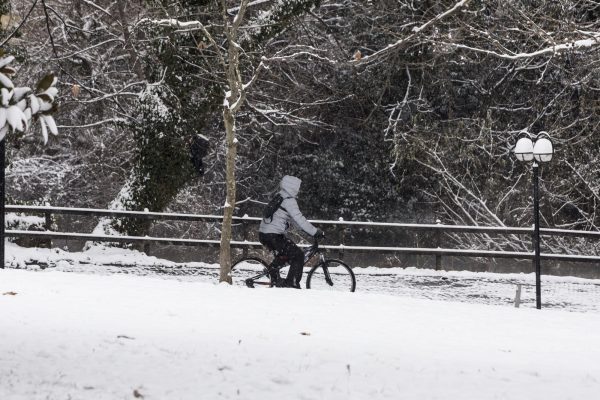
pixel 272 232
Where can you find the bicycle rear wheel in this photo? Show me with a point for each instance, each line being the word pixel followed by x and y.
pixel 251 272
pixel 331 275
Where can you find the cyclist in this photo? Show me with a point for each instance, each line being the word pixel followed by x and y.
pixel 272 232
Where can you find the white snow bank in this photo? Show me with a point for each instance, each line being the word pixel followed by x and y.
pixel 23 257
pixel 82 336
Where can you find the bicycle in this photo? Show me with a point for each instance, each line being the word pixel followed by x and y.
pixel 328 274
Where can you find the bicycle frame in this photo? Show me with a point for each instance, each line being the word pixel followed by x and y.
pixel 309 253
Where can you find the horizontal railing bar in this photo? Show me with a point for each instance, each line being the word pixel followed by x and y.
pixel 121 239
pixel 569 232
pixel 240 244
pixel 217 218
pixel 113 213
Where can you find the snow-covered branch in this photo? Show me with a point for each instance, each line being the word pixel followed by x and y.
pixel 98 123
pixel 174 23
pixel 415 31
pixel 97 7
pixel 574 45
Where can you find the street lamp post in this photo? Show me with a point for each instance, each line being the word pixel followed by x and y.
pixel 539 150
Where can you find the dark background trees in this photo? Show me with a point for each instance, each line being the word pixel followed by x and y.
pixel 388 110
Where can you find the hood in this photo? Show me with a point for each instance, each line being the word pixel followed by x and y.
pixel 291 185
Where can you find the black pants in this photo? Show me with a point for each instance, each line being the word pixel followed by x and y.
pixel 285 247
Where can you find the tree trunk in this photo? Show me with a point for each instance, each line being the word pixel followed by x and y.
pixel 225 253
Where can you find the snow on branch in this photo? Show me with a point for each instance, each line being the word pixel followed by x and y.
pixel 300 54
pixel 98 123
pixel 577 44
pixel 173 23
pixel 415 31
pixel 97 7
pixel 188 25
pixel 250 4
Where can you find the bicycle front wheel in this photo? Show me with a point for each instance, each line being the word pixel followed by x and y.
pixel 331 275
pixel 251 272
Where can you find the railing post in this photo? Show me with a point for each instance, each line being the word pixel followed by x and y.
pixel 48 224
pixel 438 244
pixel 245 236
pixel 342 240
pixel 147 244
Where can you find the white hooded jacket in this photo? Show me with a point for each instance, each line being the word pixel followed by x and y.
pixel 289 211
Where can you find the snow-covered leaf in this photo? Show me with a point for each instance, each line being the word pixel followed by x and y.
pixel 44 130
pixel 44 105
pixel 20 93
pixel 51 124
pixel 3 131
pixel 2 117
pixel 35 104
pixel 5 81
pixel 21 104
pixel 6 96
pixel 16 119
pixel 51 92
pixel 6 60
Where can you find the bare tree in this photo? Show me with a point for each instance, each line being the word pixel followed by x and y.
pixel 473 76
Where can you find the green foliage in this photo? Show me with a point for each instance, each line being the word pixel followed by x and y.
pixel 190 95
pixel 45 83
pixel 162 164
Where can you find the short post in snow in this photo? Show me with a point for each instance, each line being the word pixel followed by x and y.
pixel 518 296
pixel 438 240
pixel 538 149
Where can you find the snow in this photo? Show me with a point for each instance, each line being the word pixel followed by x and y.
pixel 558 292
pixel 103 335
pixel 23 222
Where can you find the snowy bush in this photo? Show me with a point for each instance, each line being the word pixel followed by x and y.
pixel 22 222
pixel 20 106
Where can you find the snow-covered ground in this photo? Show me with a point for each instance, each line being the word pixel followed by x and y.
pixel 66 335
pixel 568 293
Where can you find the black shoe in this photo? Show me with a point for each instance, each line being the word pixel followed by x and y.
pixel 283 283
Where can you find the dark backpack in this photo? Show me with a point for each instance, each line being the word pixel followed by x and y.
pixel 273 205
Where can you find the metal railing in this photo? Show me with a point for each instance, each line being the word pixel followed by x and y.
pixel 437 229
